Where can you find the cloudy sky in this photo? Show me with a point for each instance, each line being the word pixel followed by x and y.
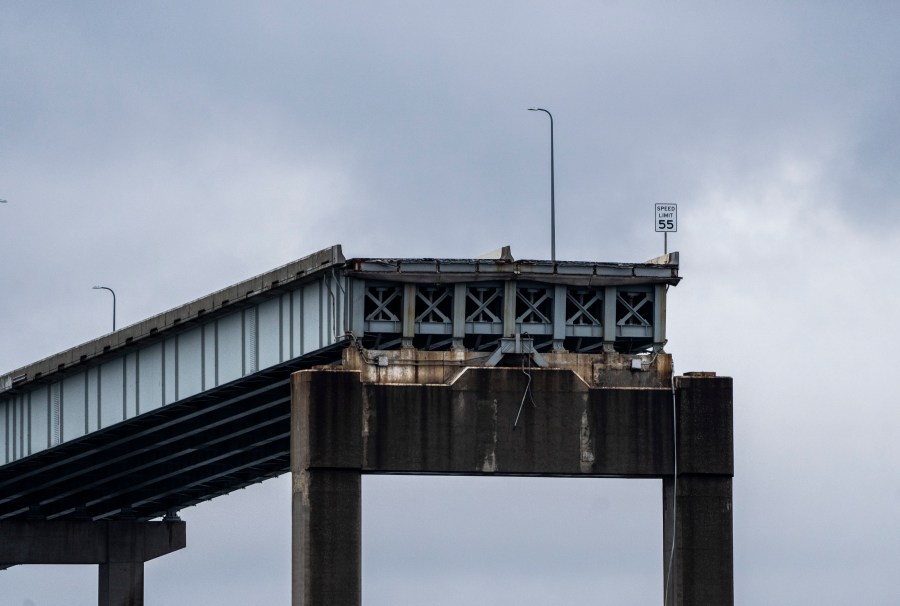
pixel 169 149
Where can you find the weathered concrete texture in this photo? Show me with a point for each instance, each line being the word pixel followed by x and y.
pixel 413 366
pixel 119 547
pixel 326 537
pixel 344 426
pixel 87 542
pixel 705 419
pixel 565 428
pixel 699 507
pixel 121 583
pixel 326 533
pixel 703 569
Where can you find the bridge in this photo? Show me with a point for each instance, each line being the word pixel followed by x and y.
pixel 106 437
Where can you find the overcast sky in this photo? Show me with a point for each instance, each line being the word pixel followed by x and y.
pixel 169 149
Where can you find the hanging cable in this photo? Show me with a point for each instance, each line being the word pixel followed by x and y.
pixel 527 393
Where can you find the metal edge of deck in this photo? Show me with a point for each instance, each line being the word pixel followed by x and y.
pixel 660 270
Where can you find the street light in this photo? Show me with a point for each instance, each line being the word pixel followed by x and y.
pixel 552 187
pixel 114 303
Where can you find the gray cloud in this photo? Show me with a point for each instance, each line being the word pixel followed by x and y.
pixel 171 150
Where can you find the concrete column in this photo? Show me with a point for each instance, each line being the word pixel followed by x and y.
pixel 702 571
pixel 327 540
pixel 698 510
pixel 327 511
pixel 121 584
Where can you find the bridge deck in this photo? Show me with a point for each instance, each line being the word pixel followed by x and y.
pixel 194 403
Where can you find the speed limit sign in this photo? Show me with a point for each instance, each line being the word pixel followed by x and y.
pixel 666 217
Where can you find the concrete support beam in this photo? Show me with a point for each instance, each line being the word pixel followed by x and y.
pixel 87 542
pixel 119 547
pixel 326 490
pixel 343 427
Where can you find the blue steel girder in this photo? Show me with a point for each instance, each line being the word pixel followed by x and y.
pixel 430 299
pixel 633 302
pixel 583 301
pixel 481 298
pixel 534 305
pixel 382 297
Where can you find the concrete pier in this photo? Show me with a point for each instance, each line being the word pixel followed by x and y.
pixel 703 568
pixel 414 412
pixel 426 363
pixel 120 547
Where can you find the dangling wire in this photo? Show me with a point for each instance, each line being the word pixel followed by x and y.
pixel 527 393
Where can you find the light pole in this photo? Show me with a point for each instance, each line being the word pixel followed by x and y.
pixel 114 303
pixel 552 187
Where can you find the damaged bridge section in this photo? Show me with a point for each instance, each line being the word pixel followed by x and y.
pixel 417 412
pixel 333 367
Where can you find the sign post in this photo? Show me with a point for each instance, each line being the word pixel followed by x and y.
pixel 666 221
